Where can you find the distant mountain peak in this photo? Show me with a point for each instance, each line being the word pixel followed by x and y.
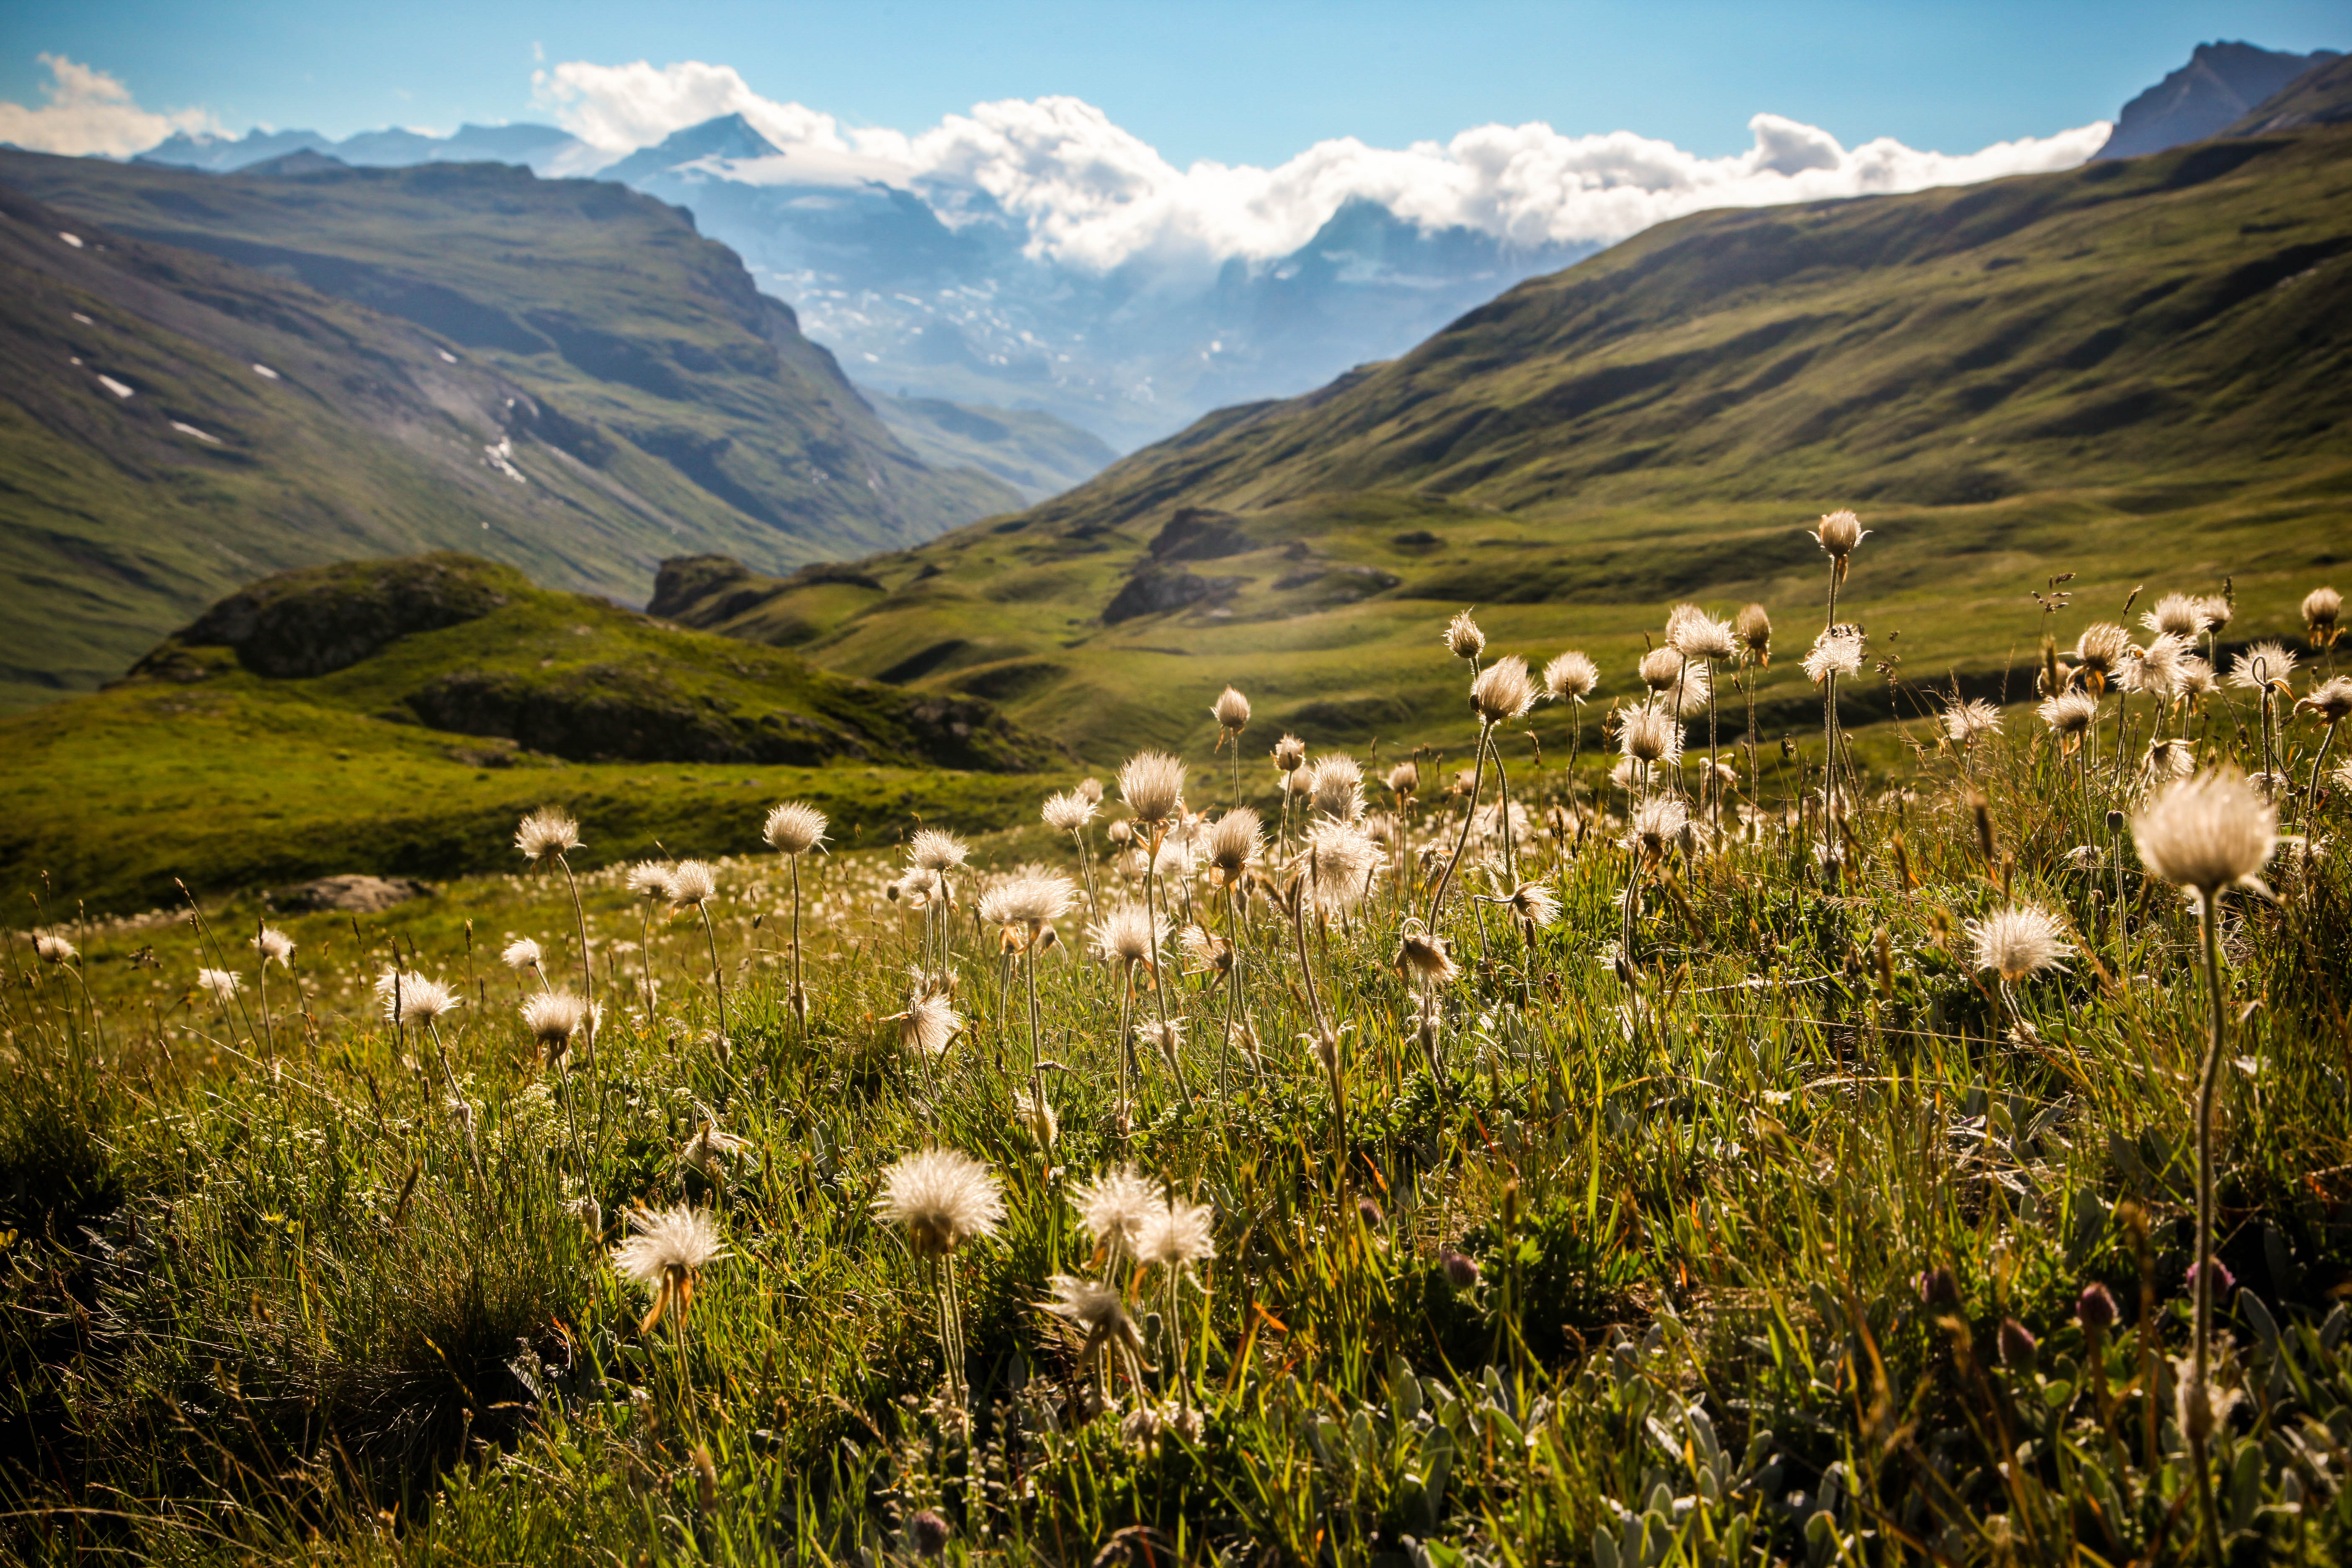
pixel 2216 88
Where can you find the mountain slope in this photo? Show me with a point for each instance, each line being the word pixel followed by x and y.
pixel 1028 448
pixel 382 716
pixel 2320 96
pixel 2135 372
pixel 2220 84
pixel 650 397
pixel 127 513
pixel 605 303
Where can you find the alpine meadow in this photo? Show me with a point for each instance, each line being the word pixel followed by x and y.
pixel 1704 922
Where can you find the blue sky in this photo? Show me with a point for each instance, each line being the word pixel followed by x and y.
pixel 1241 82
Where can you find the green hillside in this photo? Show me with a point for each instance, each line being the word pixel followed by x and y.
pixel 1028 448
pixel 377 715
pixel 640 395
pixel 2133 372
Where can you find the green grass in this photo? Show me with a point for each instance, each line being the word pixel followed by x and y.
pixel 653 399
pixel 217 768
pixel 1698 1331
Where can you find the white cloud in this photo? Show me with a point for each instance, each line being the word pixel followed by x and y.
pixel 87 111
pixel 1094 195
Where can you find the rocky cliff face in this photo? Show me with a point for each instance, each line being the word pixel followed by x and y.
pixel 2214 89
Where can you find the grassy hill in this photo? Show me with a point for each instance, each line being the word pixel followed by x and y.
pixel 385 716
pixel 640 395
pixel 2133 372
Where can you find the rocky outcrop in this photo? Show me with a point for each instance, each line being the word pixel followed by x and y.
pixel 325 618
pixel 1156 590
pixel 354 894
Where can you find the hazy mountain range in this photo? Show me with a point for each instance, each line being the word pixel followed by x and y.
pixel 947 267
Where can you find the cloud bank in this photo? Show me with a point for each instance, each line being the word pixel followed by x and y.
pixel 1094 195
pixel 86 111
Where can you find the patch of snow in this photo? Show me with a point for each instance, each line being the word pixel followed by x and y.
pixel 113 387
pixel 85 320
pixel 447 356
pixel 501 457
pixel 207 438
pixel 265 373
pixel 72 239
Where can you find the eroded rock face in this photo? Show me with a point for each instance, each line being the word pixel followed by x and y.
pixel 1156 590
pixel 1197 533
pixel 325 618
pixel 355 894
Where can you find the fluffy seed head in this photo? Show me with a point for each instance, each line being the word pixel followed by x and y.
pixel 1129 934
pixel 1838 532
pixel 794 828
pixel 2070 712
pixel 1097 1312
pixel 1234 843
pixel 1338 865
pixel 1178 1236
pixel 545 831
pixel 222 984
pixel 51 948
pixel 1502 690
pixel 2322 609
pixel 1289 753
pixel 936 849
pixel 2261 664
pixel 1464 638
pixel 1964 722
pixel 944 1198
pixel 1571 677
pixel 1534 902
pixel 1837 651
pixel 1231 711
pixel 412 998
pixel 1695 634
pixel 2330 701
pixel 1335 785
pixel 709 1146
pixel 2193 677
pixel 520 953
pixel 692 884
pixel 1650 734
pixel 1657 827
pixel 2102 646
pixel 1035 1117
pixel 2217 610
pixel 2170 757
pixel 649 879
pixel 1661 668
pixel 667 1246
pixel 1423 959
pixel 1754 629
pixel 553 1016
pixel 271 942
pixel 928 1026
pixel 1114 1206
pixel 2178 615
pixel 2019 942
pixel 1035 900
pixel 1152 785
pixel 2207 833
pixel 1404 779
pixel 1092 788
pixel 1068 812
